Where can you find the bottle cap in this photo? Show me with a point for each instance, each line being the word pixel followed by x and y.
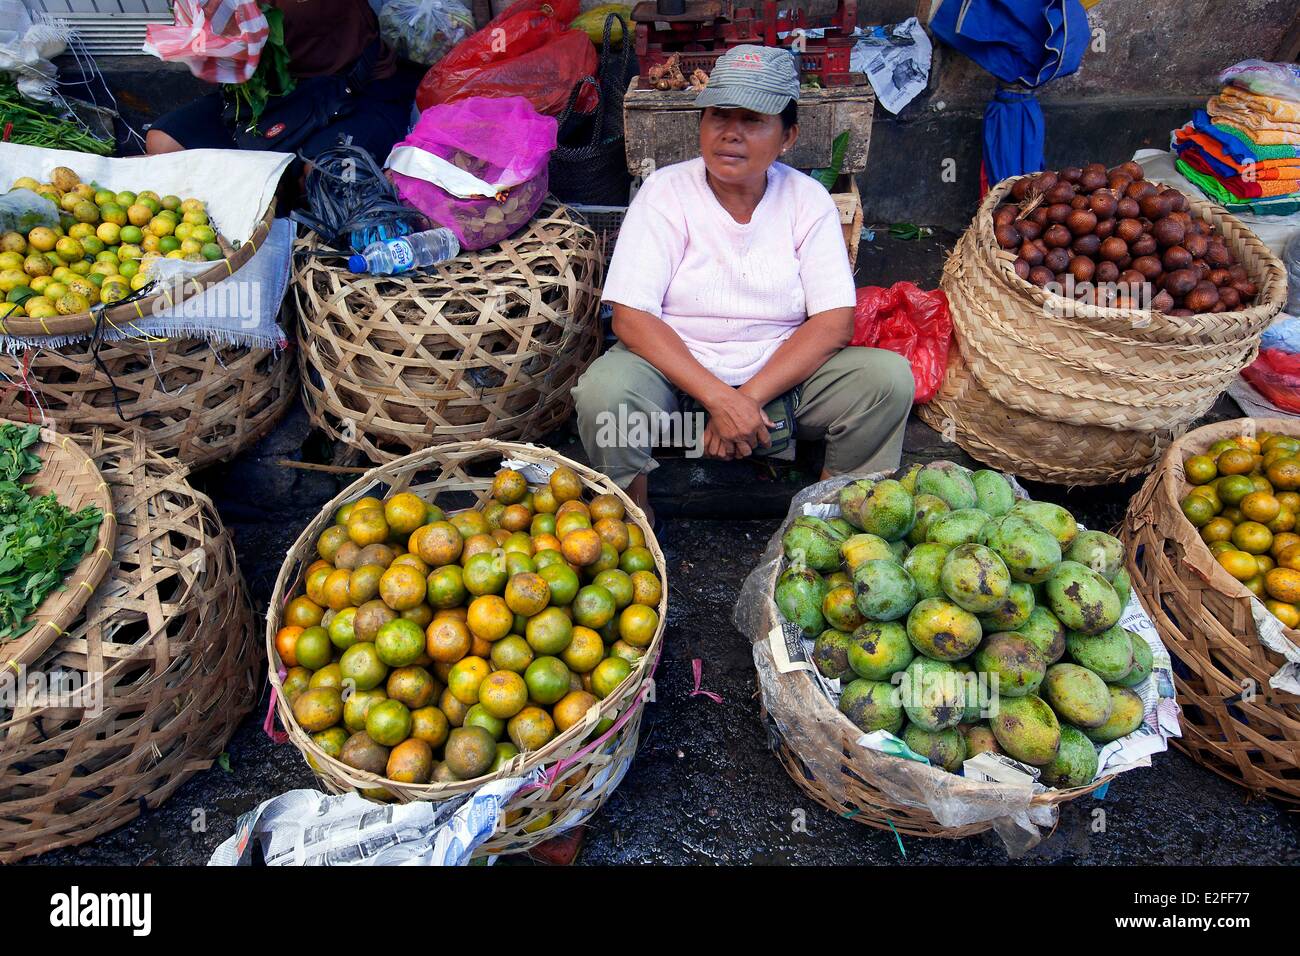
pixel 357 263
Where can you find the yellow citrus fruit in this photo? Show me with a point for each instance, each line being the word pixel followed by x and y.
pixel 1252 537
pixel 1198 509
pixel 1216 529
pixel 1288 614
pixel 402 587
pixel 1239 564
pixel 404 513
pixel 489 617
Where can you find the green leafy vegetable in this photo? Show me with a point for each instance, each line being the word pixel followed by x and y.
pixel 827 176
pixel 41 541
pixel 32 125
pixel 272 76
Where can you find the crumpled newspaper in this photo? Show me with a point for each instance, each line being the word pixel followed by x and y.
pixel 896 60
pixel 309 828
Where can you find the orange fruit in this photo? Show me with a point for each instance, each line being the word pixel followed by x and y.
pixel 1239 564
pixel 430 725
pixel 1283 541
pixel 542 524
pixel 405 512
pixel 1252 537
pixel 646 588
pixel 548 679
pixel 636 537
pixel 1285 474
pixel 586 649
pixel 565 484
pixel 388 722
pixel 314 586
pixel 608 674
pixel 363 583
pixel 1232 514
pixel 380 554
pixel 572 708
pixel 1210 493
pixel 549 632
pixel 470 523
pixel 485 573
pixel 562 581
pixel 1235 461
pixel 612 531
pixel 1288 614
pixel 1197 509
pixel 581 546
pixel 618 584
pixel 1216 529
pixel 509 486
pixel 1255 586
pixel 447 639
pixel 545 542
pixel 593 606
pixel 1290 500
pixel 1200 469
pixel 336 590
pixel 1233 488
pixel 570 521
pixel 1283 584
pixel 367 526
pixel 327 545
pixel 400 643
pixel 1284 521
pixel 527 594
pixel 370 617
pixel 303 612
pixel 285 640
pixel 1289 557
pixel 445 587
pixel 402 587
pixel 464 678
pixel 607 506
pixel 1260 506
pixel 530 729
pixel 519 542
pixel 1218 547
pixel 414 561
pixel 1265 562
pixel 490 617
pixel 411 761
pixel 637 559
pixel 503 694
pixel 637 624
pixel 516 518
pixel 437 544
pixel 477 544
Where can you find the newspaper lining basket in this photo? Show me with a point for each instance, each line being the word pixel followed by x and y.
pixel 165 657
pixel 579 778
pixel 486 345
pixel 200 402
pixel 67 472
pixel 1204 616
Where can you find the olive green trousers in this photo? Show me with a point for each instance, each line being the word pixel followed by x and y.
pixel 857 401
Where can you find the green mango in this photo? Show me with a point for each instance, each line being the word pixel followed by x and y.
pixel 1082 598
pixel 924 563
pixel 831 655
pixel 1075 763
pixel 879 649
pixel 992 492
pixel 1012 612
pixel 840 609
pixel 1102 552
pixel 861 548
pixel 1143 663
pixel 1029 550
pixel 1109 654
pixel 943 748
pixel 975 578
pixel 885 592
pixel 1052 517
pixel 933 694
pixel 1125 716
pixel 872 705
pixel 956 527
pixel 1015 661
pixel 948 481
pixel 942 631
pixel 851 497
pixel 927 507
pixel 979 739
pixel 1078 696
pixel 888 511
pixel 812 542
pixel 1046 632
pixel 799 594
pixel 1027 729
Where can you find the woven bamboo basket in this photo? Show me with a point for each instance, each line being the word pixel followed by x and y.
pixel 68 473
pixel 1204 616
pixel 1132 372
pixel 1040 449
pixel 847 784
pixel 146 687
pixel 579 776
pixel 487 345
pixel 199 402
pixel 168 295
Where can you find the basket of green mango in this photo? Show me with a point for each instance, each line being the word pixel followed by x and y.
pixel 939 655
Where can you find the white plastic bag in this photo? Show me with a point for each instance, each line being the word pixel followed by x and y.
pixel 22 210
pixel 424 30
pixel 27 49
pixel 1268 79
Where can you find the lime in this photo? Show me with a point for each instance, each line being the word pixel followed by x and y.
pixel 400 642
pixel 547 679
pixel 361 664
pixel 389 722
pixel 314 648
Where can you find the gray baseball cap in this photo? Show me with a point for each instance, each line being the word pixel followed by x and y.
pixel 759 78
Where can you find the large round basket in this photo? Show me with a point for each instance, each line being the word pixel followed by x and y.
pixel 817 745
pixel 579 773
pixel 167 296
pixel 1134 372
pixel 486 345
pixel 146 687
pixel 200 402
pixel 1233 721
pixel 1040 449
pixel 67 473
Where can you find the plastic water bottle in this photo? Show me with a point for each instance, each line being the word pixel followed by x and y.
pixel 416 251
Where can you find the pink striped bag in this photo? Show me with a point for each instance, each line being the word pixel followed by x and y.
pixel 219 40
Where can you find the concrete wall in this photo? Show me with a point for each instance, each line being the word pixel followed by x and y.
pixel 1153 63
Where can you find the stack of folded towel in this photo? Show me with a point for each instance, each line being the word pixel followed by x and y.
pixel 1243 150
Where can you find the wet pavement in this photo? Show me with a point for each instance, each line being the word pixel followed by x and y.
pixel 705 786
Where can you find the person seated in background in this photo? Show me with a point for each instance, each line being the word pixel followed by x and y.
pixel 323 38
pixel 731 289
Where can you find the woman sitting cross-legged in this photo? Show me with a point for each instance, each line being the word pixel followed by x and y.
pixel 733 295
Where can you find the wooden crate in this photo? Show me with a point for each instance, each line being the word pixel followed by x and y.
pixel 662 127
pixel 849 202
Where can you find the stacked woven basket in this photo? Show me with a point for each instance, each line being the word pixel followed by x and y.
pixel 1234 721
pixel 1057 390
pixel 200 402
pixel 580 773
pixel 146 678
pixel 487 345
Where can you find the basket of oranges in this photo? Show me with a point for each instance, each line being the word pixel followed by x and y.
pixel 1214 553
pixel 472 612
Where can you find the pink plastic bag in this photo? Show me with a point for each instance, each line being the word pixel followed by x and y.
pixel 504 142
pixel 1276 376
pixel 912 322
pixel 219 40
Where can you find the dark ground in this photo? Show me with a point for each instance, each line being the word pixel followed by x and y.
pixel 705 787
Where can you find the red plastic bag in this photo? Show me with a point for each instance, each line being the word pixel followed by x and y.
pixel 1276 376
pixel 912 322
pixel 526 50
